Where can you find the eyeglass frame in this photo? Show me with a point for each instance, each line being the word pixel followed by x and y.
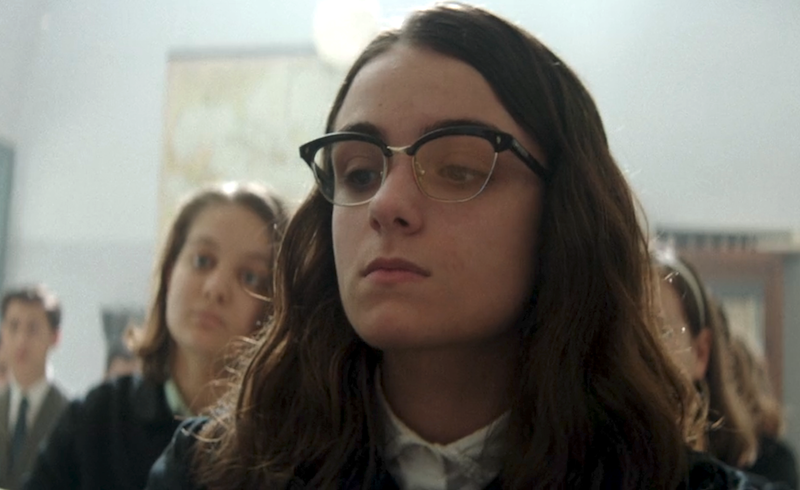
pixel 500 141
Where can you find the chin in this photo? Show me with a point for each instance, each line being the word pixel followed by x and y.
pixel 392 336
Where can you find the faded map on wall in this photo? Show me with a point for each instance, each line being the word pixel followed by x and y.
pixel 242 118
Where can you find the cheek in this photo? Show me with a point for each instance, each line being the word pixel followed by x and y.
pixel 44 342
pixel 174 300
pixel 681 351
pixel 344 228
pixel 509 248
pixel 251 311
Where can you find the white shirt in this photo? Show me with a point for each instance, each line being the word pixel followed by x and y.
pixel 36 395
pixel 469 463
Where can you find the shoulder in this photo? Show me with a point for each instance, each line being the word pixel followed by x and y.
pixel 775 448
pixel 776 461
pixel 132 388
pixel 707 473
pixel 173 470
pixel 113 387
pixel 56 395
pixel 124 395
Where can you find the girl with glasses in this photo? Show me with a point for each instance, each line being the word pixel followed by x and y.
pixel 463 301
pixel 211 286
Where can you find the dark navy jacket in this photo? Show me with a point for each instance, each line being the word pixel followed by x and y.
pixel 172 471
pixel 775 462
pixel 108 440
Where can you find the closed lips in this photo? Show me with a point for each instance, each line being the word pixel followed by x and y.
pixel 394 265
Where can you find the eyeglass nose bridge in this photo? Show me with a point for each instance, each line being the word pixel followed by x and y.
pixel 410 150
pixel 390 151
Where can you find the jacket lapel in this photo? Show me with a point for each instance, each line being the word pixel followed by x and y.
pixel 5 440
pixel 54 403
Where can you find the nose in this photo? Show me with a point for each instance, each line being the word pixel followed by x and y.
pixel 397 204
pixel 218 284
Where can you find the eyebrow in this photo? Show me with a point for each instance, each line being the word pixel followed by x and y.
pixel 373 130
pixel 203 240
pixel 210 242
pixel 258 256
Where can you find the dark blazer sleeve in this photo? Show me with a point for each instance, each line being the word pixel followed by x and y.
pixel 707 473
pixel 776 462
pixel 172 471
pixel 56 467
pixel 107 440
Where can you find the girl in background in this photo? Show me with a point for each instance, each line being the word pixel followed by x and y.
pixel 697 336
pixel 213 280
pixel 693 334
pixel 776 460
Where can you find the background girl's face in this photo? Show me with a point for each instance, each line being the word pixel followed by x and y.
pixel 207 304
pixel 690 354
pixel 414 272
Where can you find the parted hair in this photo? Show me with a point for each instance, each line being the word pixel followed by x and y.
pixel 153 344
pixel 596 403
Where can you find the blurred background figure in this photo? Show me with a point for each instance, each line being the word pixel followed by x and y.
pixel 212 286
pixel 776 460
pixel 121 361
pixel 31 404
pixel 121 325
pixel 697 338
pixel 3 366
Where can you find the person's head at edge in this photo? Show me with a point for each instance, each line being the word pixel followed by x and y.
pixel 751 378
pixel 753 386
pixel 212 283
pixel 696 339
pixel 590 385
pixel 31 327
pixel 120 361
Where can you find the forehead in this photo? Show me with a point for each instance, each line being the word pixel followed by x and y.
pixel 18 308
pixel 407 89
pixel 232 226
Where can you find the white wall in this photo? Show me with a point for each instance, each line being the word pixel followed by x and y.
pixel 700 100
pixel 701 104
pixel 19 25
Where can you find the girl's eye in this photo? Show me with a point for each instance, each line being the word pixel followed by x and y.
pixel 461 174
pixel 201 261
pixel 254 281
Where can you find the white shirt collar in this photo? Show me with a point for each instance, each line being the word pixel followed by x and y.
pixel 469 463
pixel 36 395
pixel 175 401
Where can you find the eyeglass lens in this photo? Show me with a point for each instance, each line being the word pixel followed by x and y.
pixel 449 168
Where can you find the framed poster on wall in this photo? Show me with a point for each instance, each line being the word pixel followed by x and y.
pixel 242 116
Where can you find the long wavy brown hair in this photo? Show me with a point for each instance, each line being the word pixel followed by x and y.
pixel 597 401
pixel 753 385
pixel 752 381
pixel 154 344
pixel 731 434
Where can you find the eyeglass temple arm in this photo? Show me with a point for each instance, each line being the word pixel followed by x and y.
pixel 530 161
